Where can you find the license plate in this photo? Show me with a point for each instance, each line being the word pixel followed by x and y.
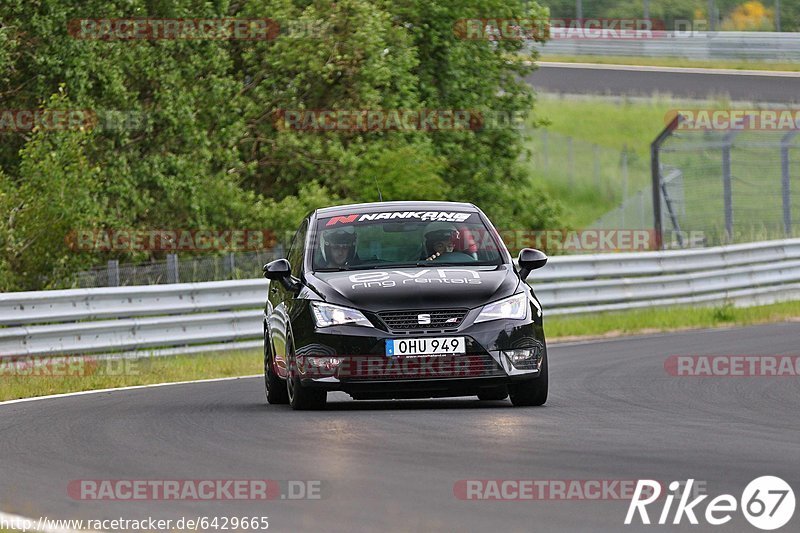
pixel 426 346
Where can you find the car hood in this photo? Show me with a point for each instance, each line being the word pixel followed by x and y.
pixel 415 288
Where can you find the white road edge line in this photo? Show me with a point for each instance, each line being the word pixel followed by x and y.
pixel 674 70
pixel 131 387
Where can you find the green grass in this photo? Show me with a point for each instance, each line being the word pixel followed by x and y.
pixel 583 204
pixel 609 123
pixel 612 125
pixel 672 62
pixel 666 319
pixel 134 372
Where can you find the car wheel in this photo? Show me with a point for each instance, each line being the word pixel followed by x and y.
pixel 533 392
pixel 274 386
pixel 304 398
pixel 500 393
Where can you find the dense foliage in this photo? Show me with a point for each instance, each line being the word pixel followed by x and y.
pixel 187 134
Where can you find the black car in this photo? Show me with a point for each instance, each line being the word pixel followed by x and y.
pixel 402 300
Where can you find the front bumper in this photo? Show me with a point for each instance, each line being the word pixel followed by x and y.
pixel 362 368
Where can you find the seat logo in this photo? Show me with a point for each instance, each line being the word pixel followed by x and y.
pixel 424 319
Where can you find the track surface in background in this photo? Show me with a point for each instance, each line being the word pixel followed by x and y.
pixel 614 413
pixel 638 81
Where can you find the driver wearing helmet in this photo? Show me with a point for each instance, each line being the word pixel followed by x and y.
pixel 339 247
pixel 440 238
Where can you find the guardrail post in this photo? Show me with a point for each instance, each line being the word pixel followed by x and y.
pixel 727 191
pixel 786 183
pixel 643 217
pixel 231 264
pixel 624 164
pixel 727 194
pixel 712 15
pixel 571 160
pixel 172 268
pixel 112 270
pixel 596 155
pixel 545 154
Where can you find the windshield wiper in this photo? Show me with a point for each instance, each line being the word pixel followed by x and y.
pixel 333 269
pixel 441 264
pixel 418 264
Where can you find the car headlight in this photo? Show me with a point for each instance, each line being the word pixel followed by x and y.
pixel 326 315
pixel 514 307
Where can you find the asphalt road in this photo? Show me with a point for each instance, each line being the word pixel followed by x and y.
pixel 614 414
pixel 684 83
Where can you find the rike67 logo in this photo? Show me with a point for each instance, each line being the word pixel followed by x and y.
pixel 767 503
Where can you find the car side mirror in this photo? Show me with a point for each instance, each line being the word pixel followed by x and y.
pixel 281 270
pixel 530 259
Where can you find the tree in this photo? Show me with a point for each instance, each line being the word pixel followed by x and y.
pixel 188 135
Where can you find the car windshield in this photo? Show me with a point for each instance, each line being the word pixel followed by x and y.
pixel 403 239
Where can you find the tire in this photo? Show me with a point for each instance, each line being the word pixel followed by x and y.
pixel 274 386
pixel 533 392
pixel 299 397
pixel 500 393
pixel 304 398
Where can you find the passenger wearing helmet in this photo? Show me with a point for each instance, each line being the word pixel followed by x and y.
pixel 339 247
pixel 440 239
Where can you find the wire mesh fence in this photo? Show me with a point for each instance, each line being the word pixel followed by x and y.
pixel 176 269
pixel 733 186
pixel 580 164
pixel 618 179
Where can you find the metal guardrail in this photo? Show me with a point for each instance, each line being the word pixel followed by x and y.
pixel 733 45
pixel 71 305
pixel 653 263
pixel 180 318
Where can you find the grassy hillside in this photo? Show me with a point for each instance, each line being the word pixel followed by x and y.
pixel 588 180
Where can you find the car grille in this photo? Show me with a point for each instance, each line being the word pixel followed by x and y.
pixel 425 367
pixel 410 321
